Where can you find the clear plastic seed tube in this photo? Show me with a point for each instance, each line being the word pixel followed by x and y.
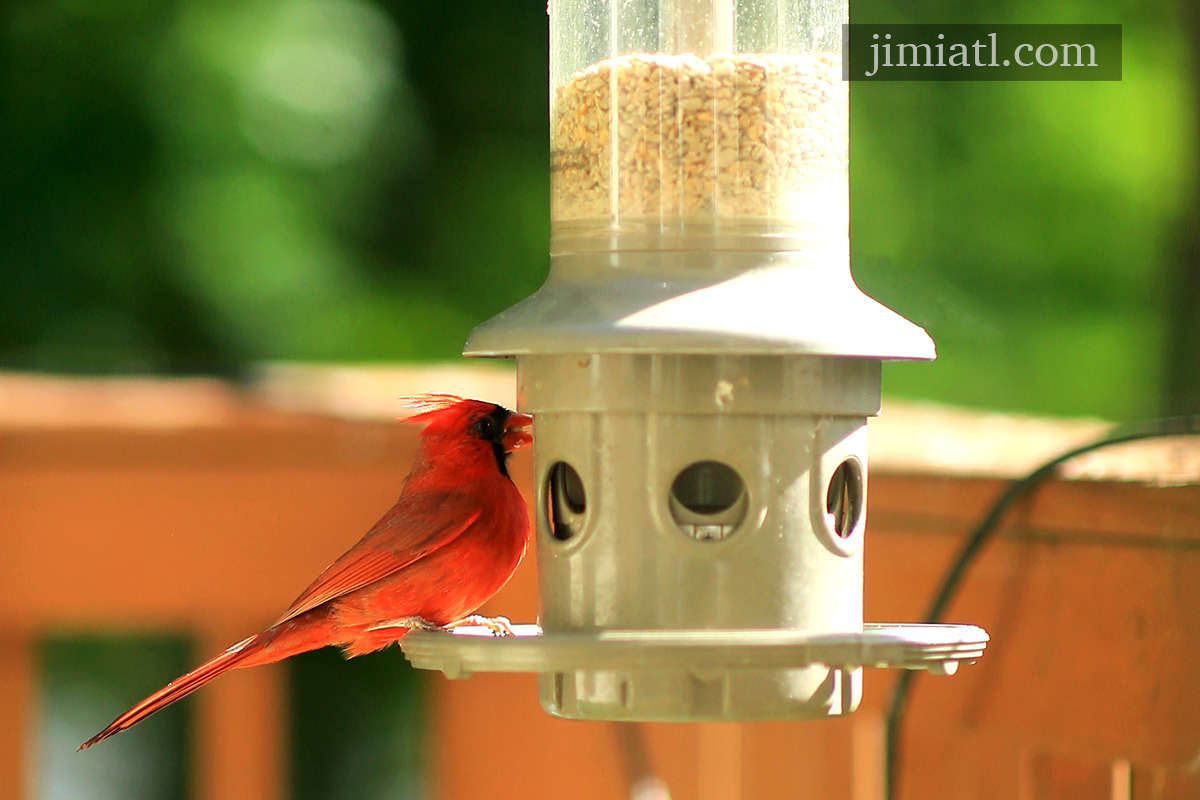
pixel 718 115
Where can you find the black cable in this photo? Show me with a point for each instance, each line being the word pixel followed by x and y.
pixel 988 525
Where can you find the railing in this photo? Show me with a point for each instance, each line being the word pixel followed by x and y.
pixel 123 503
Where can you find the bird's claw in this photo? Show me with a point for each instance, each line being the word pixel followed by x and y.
pixel 499 626
pixel 419 623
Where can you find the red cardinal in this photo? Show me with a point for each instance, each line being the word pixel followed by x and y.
pixel 451 541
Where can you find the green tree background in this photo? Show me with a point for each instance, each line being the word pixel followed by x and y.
pixel 193 186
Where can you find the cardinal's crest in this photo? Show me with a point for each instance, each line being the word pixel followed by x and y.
pixel 423 407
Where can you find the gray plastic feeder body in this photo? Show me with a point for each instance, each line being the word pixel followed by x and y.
pixel 701 463
pixel 747 542
pixel 700 366
pixel 734 299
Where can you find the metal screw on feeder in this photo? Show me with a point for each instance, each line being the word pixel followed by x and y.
pixel 701 367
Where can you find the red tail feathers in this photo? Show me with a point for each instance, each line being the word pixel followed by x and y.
pixel 180 687
pixel 307 632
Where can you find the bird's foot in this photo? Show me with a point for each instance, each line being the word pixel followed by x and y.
pixel 419 623
pixel 499 626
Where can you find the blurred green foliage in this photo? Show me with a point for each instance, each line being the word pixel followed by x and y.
pixel 192 186
pixel 1030 227
pixel 86 681
pixel 359 727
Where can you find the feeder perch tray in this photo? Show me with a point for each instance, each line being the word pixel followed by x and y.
pixel 469 649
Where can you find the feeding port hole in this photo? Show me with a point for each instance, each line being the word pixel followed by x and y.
pixel 844 498
pixel 708 501
pixel 566 501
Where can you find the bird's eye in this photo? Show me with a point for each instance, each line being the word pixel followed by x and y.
pixel 485 427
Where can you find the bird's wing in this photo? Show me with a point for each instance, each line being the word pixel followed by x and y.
pixel 412 529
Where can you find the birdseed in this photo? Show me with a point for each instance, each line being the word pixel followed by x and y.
pixel 761 135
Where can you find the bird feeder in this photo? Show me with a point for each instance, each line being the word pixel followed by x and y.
pixel 700 366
